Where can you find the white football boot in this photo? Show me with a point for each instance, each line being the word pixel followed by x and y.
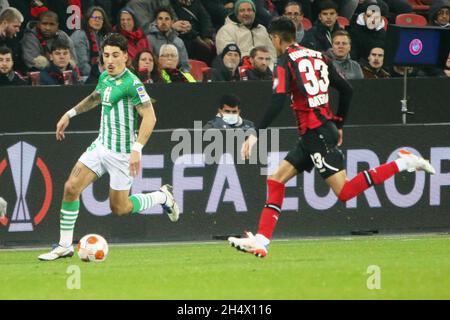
pixel 57 253
pixel 249 244
pixel 416 163
pixel 170 207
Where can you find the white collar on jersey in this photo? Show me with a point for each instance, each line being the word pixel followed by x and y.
pixel 119 75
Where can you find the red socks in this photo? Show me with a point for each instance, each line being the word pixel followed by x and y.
pixel 366 179
pixel 272 209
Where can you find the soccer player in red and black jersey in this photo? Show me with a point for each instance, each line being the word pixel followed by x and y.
pixel 306 75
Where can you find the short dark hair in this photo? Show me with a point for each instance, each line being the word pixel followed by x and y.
pixel 293 3
pixel 230 100
pixel 5 50
pixel 48 14
pixel 327 4
pixel 59 44
pixel 163 9
pixel 115 40
pixel 255 50
pixel 284 28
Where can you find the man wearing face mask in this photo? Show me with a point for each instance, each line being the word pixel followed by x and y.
pixel 228 115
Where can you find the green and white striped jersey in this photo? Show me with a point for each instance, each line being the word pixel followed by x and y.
pixel 119 120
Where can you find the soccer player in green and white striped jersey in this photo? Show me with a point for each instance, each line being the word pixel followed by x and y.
pixel 116 150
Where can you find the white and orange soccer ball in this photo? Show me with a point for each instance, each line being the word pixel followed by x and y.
pixel 92 247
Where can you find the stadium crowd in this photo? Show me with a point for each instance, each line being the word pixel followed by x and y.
pixel 57 42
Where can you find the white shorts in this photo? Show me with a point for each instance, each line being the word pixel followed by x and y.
pixel 100 159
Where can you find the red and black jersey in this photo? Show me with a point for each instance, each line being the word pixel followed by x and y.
pixel 306 75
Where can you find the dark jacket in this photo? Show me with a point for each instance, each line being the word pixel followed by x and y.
pixel 371 73
pixel 199 18
pixel 218 123
pixel 52 75
pixel 12 79
pixel 364 39
pixel 254 74
pixel 221 73
pixel 319 36
pixel 33 47
pixel 435 7
pixel 216 11
pixel 16 47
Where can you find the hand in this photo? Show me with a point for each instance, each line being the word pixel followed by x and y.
pixel 247 146
pixel 340 137
pixel 135 163
pixel 229 5
pixel 61 126
pixel 208 42
pixel 182 26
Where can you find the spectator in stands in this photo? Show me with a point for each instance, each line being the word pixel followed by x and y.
pixel 304 4
pixel 146 10
pixel 367 31
pixel 10 22
pixel 145 66
pixel 340 53
pixel 198 40
pixel 8 77
pixel 259 68
pixel 69 21
pixel 88 41
pixel 373 66
pixel 169 64
pixel 293 11
pixel 162 32
pixel 345 8
pixel 439 14
pixel 225 66
pixel 229 115
pixel 218 10
pixel 241 29
pixel 319 36
pixel 127 27
pixel 38 39
pixel 60 71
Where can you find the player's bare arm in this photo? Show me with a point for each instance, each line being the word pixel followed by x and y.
pixel 147 113
pixel 88 103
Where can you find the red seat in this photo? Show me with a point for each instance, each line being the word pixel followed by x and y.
pixel 420 5
pixel 343 21
pixel 386 22
pixel 306 24
pixel 410 19
pixel 197 69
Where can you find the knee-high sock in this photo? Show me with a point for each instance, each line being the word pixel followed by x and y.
pixel 272 209
pixel 143 201
pixel 67 219
pixel 366 179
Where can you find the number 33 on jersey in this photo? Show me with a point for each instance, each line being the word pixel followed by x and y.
pixel 304 73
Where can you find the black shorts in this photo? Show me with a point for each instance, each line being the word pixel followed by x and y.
pixel 318 147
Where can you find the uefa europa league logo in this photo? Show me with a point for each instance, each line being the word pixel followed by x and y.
pixel 21 158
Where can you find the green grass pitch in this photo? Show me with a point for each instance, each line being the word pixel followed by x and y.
pixel 410 267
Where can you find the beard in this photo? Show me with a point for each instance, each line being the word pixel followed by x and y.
pixel 231 65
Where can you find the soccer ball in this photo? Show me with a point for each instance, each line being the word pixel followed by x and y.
pixel 92 247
